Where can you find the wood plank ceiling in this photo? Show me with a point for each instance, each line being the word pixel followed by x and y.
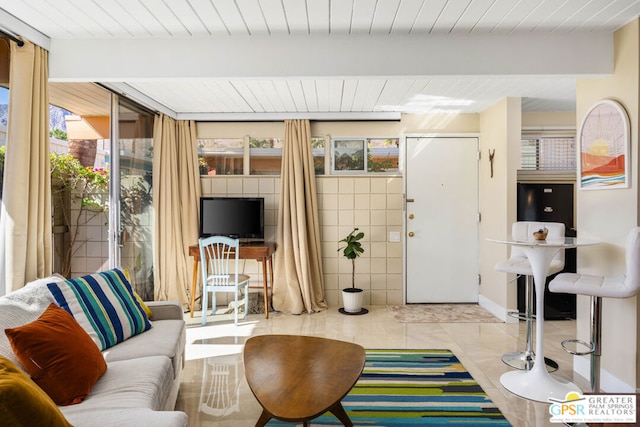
pixel 162 19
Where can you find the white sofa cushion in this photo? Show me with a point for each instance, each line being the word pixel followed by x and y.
pixel 153 342
pixel 138 417
pixel 135 383
pixel 21 307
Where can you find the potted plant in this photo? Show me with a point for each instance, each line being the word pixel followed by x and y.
pixel 352 297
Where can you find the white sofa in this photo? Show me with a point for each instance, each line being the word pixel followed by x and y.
pixel 140 385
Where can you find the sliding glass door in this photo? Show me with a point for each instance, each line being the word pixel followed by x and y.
pixel 131 222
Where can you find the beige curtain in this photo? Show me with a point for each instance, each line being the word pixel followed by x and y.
pixel 25 224
pixel 298 282
pixel 176 194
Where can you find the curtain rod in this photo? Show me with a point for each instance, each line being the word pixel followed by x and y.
pixel 11 37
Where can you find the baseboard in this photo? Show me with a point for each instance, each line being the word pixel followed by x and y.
pixel 495 309
pixel 608 382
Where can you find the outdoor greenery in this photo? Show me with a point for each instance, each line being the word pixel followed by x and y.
pixel 58 134
pixel 87 189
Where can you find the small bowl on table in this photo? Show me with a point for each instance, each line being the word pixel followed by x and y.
pixel 541 234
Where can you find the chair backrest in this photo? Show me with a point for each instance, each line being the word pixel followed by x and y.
pixel 219 260
pixel 523 230
pixel 632 279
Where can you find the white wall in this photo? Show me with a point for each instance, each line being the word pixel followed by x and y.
pixel 607 216
pixel 500 130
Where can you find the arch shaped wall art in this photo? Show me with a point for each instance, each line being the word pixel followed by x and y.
pixel 604 147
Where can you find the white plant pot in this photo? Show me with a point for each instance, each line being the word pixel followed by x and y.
pixel 352 300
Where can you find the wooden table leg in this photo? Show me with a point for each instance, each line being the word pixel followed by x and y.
pixel 338 410
pixel 194 285
pixel 264 418
pixel 265 287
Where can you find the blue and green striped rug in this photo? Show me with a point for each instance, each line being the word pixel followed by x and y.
pixel 414 388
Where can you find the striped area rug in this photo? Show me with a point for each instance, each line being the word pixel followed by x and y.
pixel 415 388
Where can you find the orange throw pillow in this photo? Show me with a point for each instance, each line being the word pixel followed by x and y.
pixel 59 355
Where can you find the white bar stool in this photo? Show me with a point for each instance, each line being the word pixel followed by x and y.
pixel 598 287
pixel 519 264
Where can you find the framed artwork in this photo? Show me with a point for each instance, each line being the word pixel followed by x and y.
pixel 604 147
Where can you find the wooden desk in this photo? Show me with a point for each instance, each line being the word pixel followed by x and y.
pixel 262 252
pixel 297 378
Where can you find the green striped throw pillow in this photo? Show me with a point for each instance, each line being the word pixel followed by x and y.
pixel 104 305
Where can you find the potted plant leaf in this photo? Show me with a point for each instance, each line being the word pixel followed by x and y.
pixel 352 297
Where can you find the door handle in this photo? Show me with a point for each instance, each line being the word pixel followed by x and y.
pixel 411 234
pixel 410 200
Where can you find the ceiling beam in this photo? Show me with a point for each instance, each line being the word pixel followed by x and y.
pixel 26 32
pixel 333 56
pixel 269 117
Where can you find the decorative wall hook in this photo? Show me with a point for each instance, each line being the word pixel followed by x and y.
pixel 491 154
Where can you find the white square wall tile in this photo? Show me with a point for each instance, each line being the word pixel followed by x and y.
pixel 379 281
pixel 394 217
pixel 329 201
pixel 378 250
pixel 394 297
pixel 378 234
pixel 330 265
pixel 394 265
pixel 378 185
pixel 328 217
pixel 251 185
pixel 345 201
pixel 379 217
pixel 361 218
pixel 378 297
pixel 234 186
pixel 378 266
pixel 345 185
pixel 218 186
pixel 331 281
pixel 378 201
pixel 329 233
pixel 394 249
pixel 330 185
pixel 346 218
pixel 394 185
pixel 205 186
pixel 394 201
pixel 362 201
pixel 362 185
pixel 267 186
pixel 94 249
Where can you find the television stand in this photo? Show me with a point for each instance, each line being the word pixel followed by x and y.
pixel 260 251
pixel 253 243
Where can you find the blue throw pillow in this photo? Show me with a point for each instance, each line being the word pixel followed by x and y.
pixel 104 305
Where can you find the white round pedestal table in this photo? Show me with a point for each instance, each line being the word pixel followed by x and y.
pixel 538 384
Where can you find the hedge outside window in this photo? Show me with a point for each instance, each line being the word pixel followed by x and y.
pixel 221 156
pixel 365 155
pixel 317 149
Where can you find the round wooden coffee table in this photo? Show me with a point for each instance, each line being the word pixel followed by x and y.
pixel 298 378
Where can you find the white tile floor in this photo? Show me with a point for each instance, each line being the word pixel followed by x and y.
pixel 214 391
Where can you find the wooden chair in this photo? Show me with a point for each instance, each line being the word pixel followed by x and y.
pixel 219 265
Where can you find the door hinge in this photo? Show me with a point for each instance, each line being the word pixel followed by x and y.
pixel 479 217
pixel 479 155
pixel 479 279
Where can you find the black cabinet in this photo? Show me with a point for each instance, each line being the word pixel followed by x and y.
pixel 550 203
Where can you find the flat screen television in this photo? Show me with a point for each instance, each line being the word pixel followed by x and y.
pixel 237 217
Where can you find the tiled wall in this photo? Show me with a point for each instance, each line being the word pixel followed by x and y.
pixel 373 204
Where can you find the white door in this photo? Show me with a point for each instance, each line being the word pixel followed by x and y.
pixel 441 187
